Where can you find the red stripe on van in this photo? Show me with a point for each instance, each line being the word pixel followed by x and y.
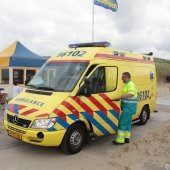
pixel 29 112
pixel 71 108
pixel 83 105
pixel 121 58
pixel 43 115
pixel 108 100
pixel 98 104
pixel 69 61
pixel 60 114
pixel 21 107
pixel 12 107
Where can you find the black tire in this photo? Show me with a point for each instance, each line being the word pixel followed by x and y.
pixel 144 116
pixel 74 139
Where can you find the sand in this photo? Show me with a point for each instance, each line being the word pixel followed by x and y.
pixel 151 151
pixel 2 130
pixel 163 89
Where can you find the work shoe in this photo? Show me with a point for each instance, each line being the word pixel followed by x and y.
pixel 117 143
pixel 127 140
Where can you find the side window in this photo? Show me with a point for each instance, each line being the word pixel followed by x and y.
pixel 111 78
pixel 90 70
pixel 104 79
pixel 97 81
pixel 5 76
pixel 18 76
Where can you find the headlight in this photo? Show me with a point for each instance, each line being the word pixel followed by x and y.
pixel 44 123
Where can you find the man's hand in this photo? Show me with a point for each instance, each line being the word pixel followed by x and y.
pixel 123 96
pixel 127 95
pixel 117 99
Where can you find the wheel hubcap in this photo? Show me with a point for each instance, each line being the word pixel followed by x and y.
pixel 144 116
pixel 76 139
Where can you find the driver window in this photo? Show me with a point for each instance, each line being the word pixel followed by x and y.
pixel 104 79
pixel 97 81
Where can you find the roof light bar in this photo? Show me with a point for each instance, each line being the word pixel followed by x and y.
pixel 91 44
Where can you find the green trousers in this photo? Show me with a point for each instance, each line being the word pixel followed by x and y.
pixel 125 121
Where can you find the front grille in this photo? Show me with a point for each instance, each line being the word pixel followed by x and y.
pixel 18 121
pixel 16 130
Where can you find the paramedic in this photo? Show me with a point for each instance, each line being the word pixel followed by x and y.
pixel 128 107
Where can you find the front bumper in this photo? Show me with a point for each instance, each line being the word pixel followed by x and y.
pixel 51 138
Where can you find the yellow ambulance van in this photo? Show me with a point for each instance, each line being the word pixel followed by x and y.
pixel 71 98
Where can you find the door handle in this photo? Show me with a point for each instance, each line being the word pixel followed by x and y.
pixel 116 100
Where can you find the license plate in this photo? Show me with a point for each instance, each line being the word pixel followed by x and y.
pixel 15 135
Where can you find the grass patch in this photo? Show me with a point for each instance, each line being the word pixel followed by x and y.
pixel 162 68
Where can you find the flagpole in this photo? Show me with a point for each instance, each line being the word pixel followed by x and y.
pixel 93 22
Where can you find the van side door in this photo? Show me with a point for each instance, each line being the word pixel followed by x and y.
pixel 100 109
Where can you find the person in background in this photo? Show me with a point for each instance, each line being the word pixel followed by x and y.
pixel 128 107
pixel 16 89
pixel 28 78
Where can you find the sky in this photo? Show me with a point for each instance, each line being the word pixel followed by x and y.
pixel 48 26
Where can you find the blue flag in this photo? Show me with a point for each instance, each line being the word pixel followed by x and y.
pixel 108 4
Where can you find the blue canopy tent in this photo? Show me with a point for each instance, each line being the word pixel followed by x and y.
pixel 16 62
pixel 18 55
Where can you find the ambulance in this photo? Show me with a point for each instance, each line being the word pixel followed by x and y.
pixel 72 98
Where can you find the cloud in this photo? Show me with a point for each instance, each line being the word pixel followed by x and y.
pixel 48 26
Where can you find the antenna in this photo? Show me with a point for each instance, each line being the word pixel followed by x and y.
pixel 77 38
pixel 75 46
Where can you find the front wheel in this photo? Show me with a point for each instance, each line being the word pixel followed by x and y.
pixel 144 116
pixel 74 139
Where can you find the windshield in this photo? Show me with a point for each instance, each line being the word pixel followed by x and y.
pixel 58 76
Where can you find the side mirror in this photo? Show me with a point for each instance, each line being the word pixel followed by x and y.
pixel 85 90
pixel 86 81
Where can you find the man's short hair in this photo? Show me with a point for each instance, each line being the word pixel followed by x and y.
pixel 15 83
pixel 127 74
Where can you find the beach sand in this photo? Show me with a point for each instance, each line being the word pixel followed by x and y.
pixel 152 150
pixel 149 152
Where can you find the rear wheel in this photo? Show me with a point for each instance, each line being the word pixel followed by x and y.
pixel 74 139
pixel 144 116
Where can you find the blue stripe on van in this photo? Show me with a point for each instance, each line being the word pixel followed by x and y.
pixel 73 117
pixel 107 120
pixel 52 129
pixel 95 123
pixel 16 108
pixel 62 122
pixel 114 113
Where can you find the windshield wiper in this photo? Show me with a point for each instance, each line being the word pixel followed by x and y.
pixel 30 85
pixel 46 88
